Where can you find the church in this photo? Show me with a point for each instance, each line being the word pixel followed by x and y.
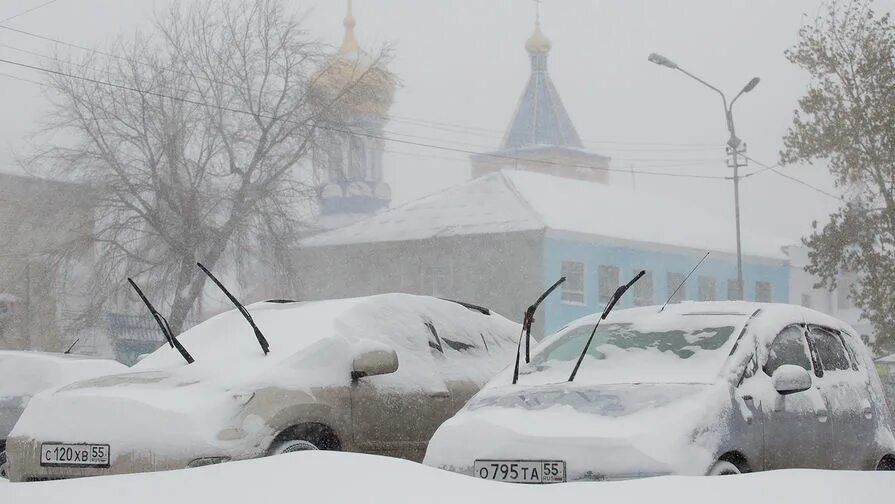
pixel 538 207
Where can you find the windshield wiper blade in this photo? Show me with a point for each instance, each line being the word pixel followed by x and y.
pixel 71 347
pixel 609 306
pixel 265 346
pixel 163 325
pixel 527 322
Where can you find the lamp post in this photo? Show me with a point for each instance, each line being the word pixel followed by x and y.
pixel 736 149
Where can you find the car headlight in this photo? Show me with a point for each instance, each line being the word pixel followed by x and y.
pixel 207 461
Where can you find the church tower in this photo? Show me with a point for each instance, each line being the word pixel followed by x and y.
pixel 541 136
pixel 350 158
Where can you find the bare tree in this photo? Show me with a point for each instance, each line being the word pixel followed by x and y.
pixel 196 137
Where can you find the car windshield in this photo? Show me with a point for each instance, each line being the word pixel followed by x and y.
pixel 689 349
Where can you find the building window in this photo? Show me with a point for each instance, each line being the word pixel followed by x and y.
pixel 732 291
pixel 806 300
pixel 573 287
pixel 708 290
pixel 608 282
pixel 675 280
pixel 643 290
pixel 763 292
pixel 437 281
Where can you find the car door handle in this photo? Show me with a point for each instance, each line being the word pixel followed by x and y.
pixel 822 415
pixel 440 395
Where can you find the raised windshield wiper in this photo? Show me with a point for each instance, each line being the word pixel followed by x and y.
pixel 527 322
pixel 163 325
pixel 72 347
pixel 265 346
pixel 609 306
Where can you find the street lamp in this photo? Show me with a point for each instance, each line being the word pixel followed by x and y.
pixel 735 149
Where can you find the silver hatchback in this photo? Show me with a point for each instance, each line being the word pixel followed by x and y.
pixel 701 388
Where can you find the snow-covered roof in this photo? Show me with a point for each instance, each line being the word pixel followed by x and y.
pixel 513 200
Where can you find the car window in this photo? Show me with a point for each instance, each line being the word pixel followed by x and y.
pixel 789 347
pixel 829 349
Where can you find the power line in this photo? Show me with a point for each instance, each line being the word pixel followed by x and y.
pixel 456 128
pixel 806 184
pixel 774 169
pixel 348 131
pixel 10 18
pixel 22 79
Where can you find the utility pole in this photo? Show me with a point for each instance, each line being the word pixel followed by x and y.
pixel 734 157
pixel 736 151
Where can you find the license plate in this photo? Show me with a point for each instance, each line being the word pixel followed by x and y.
pixel 522 471
pixel 74 455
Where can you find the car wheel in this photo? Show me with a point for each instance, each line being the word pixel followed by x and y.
pixel 293 446
pixel 4 467
pixel 723 468
pixel 886 464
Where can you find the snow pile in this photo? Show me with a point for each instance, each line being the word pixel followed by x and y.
pixel 322 477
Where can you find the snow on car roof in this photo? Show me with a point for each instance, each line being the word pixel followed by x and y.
pixel 320 338
pixel 26 373
pixel 513 200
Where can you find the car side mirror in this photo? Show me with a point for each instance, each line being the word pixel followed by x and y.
pixel 373 363
pixel 789 379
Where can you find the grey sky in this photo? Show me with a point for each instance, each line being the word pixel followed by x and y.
pixel 462 62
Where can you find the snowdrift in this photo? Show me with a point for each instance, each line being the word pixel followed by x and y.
pixel 322 477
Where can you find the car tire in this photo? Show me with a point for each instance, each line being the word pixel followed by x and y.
pixel 886 464
pixel 293 445
pixel 723 468
pixel 4 466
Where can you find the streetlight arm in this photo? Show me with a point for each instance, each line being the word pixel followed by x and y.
pixel 706 84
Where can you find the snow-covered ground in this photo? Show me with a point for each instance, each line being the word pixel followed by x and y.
pixel 350 478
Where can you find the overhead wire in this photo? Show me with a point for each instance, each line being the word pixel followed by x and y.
pixel 775 169
pixel 28 11
pixel 350 131
pixel 457 128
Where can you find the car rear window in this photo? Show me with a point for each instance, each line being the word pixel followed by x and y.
pixel 833 356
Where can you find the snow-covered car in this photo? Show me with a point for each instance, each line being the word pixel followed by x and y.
pixel 23 374
pixel 700 388
pixel 376 374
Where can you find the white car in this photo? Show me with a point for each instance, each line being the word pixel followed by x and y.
pixel 701 388
pixel 376 374
pixel 24 374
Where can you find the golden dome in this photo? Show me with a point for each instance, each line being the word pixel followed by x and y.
pixel 538 42
pixel 359 82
